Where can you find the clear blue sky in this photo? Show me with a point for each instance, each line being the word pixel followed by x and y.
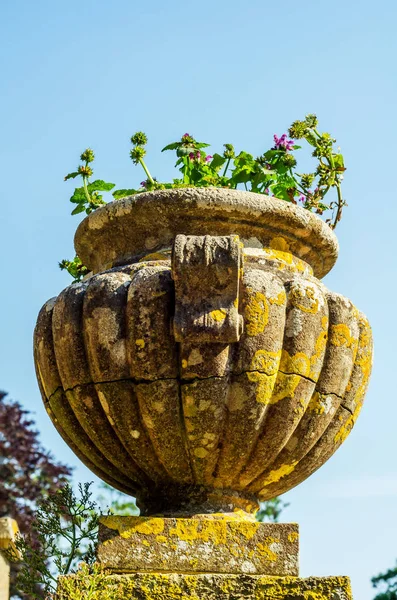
pixel 76 74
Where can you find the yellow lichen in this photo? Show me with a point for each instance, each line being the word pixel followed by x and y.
pixel 256 313
pixel 280 299
pixel 140 343
pixel 279 243
pixel 219 315
pixel 293 536
pixel 277 474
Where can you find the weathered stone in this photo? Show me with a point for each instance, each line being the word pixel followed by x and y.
pixel 124 231
pixel 204 544
pixel 201 426
pixel 175 586
pixel 206 271
pixel 8 532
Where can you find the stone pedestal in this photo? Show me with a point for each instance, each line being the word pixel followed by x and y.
pixel 218 556
pixel 8 532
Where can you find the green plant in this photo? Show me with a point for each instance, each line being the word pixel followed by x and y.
pixel 271 510
pixel 273 173
pixel 64 530
pixel 387 584
pixel 90 582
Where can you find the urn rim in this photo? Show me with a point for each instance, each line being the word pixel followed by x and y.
pixel 125 230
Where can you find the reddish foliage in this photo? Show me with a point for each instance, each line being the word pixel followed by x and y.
pixel 27 470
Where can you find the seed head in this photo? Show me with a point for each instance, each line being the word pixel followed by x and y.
pixel 139 139
pixel 137 154
pixel 229 151
pixel 88 155
pixel 85 171
pixel 298 130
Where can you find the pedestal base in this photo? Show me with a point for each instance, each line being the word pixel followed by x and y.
pixel 179 586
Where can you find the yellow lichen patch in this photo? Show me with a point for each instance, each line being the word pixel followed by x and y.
pixel 298 364
pixel 256 313
pixel 200 452
pixel 266 362
pixel 265 387
pixel 189 531
pixel 340 335
pixel 126 527
pixel 218 315
pixel 280 299
pixel 140 343
pixel 285 386
pixel 247 529
pixel 279 243
pixel 316 361
pixel 265 551
pixel 293 536
pixel 277 474
pixel 161 539
pixel 305 298
pixel 317 404
pixel 348 425
pixel 154 256
pixel 184 363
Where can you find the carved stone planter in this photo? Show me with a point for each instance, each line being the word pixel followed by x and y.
pixel 203 366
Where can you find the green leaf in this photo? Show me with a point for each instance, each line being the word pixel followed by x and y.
pixel 217 161
pixel 78 196
pixel 241 176
pixel 123 193
pixel 338 161
pixel 202 145
pixel 100 186
pixel 80 208
pixel 71 175
pixel 173 146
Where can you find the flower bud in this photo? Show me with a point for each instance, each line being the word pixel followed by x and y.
pixel 139 139
pixel 311 121
pixel 88 155
pixel 307 179
pixel 229 151
pixel 289 160
pixel 297 130
pixel 85 171
pixel 137 154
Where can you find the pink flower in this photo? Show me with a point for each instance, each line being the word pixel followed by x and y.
pixel 282 142
pixel 208 158
pixel 192 156
pixel 302 198
pixel 186 135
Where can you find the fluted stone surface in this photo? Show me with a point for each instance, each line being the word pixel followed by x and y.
pixel 190 423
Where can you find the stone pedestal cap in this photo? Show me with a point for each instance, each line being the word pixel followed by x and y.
pixel 231 543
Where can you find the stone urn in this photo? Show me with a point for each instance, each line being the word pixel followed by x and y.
pixel 203 366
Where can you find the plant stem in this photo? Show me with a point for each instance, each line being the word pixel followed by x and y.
pixel 146 170
pixel 340 207
pixel 226 168
pixel 87 194
pixel 72 550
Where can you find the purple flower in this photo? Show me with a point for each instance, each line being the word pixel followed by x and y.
pixel 192 156
pixel 267 191
pixel 144 184
pixel 282 142
pixel 186 135
pixel 208 158
pixel 302 198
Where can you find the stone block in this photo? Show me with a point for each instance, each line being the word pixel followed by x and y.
pixel 230 543
pixel 200 586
